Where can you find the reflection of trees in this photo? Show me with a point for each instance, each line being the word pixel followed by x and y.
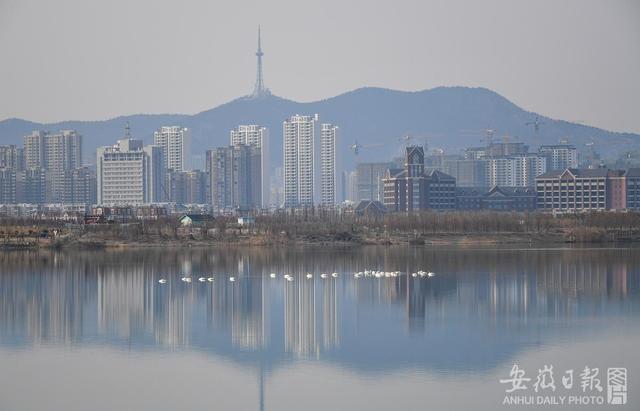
pixel 60 296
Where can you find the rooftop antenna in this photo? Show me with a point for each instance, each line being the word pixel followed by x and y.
pixel 127 130
pixel 259 90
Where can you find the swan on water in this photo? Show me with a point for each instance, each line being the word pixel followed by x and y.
pixel 334 275
pixel 272 275
pixel 162 281
pixel 232 279
pixel 186 279
pixel 309 276
pixel 202 279
pixel 324 275
pixel 210 279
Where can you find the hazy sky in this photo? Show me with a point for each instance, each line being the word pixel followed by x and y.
pixel 88 60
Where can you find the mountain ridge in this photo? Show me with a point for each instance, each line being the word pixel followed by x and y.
pixel 369 115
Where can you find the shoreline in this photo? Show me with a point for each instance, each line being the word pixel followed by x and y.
pixel 437 240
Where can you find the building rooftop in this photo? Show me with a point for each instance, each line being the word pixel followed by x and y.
pixel 577 172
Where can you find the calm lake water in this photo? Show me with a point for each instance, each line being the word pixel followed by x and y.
pixel 95 330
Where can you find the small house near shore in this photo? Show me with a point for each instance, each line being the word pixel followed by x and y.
pixel 195 220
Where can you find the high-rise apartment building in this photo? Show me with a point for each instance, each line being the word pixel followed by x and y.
pixel 61 151
pixel 33 186
pixel 369 181
pixel 7 185
pixel 298 134
pixel 176 146
pixel 256 136
pixel 187 187
pixel 55 153
pixel 515 171
pixel 469 172
pixel 79 186
pixel 559 156
pixel 234 174
pixel 328 136
pixel 130 174
pixel 12 156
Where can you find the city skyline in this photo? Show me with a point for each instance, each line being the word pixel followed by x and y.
pixel 518 71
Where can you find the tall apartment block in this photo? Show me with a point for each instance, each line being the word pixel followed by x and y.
pixel 515 171
pixel 369 181
pixel 7 185
pixel 559 156
pixel 328 136
pixel 79 186
pixel 187 187
pixel 468 172
pixel 176 146
pixel 130 174
pixel 12 156
pixel 55 153
pixel 256 136
pixel 33 186
pixel 298 134
pixel 234 174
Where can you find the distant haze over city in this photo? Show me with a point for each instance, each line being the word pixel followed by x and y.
pixel 571 60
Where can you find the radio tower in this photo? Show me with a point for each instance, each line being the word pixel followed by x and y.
pixel 259 90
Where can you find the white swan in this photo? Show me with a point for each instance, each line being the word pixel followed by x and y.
pixel 272 275
pixel 357 275
pixel 430 274
pixel 414 274
pixel 289 278
pixel 186 279
pixel 324 275
pixel 210 279
pixel 232 279
pixel 309 276
pixel 202 279
pixel 162 281
pixel 334 275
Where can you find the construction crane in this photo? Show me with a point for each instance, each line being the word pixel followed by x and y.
pixel 408 138
pixel 536 124
pixel 487 134
pixel 355 147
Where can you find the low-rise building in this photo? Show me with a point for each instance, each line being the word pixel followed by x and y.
pixel 496 198
pixel 370 208
pixel 411 189
pixel 575 189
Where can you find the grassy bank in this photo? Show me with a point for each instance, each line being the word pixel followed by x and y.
pixel 321 227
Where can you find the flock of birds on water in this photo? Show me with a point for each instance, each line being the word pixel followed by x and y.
pixel 309 276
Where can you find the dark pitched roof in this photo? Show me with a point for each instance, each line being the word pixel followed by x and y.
pixel 366 205
pixel 471 191
pixel 439 175
pixel 512 191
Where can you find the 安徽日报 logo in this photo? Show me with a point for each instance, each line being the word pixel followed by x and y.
pixel 567 387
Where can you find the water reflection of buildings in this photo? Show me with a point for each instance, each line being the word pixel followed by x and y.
pixel 67 298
